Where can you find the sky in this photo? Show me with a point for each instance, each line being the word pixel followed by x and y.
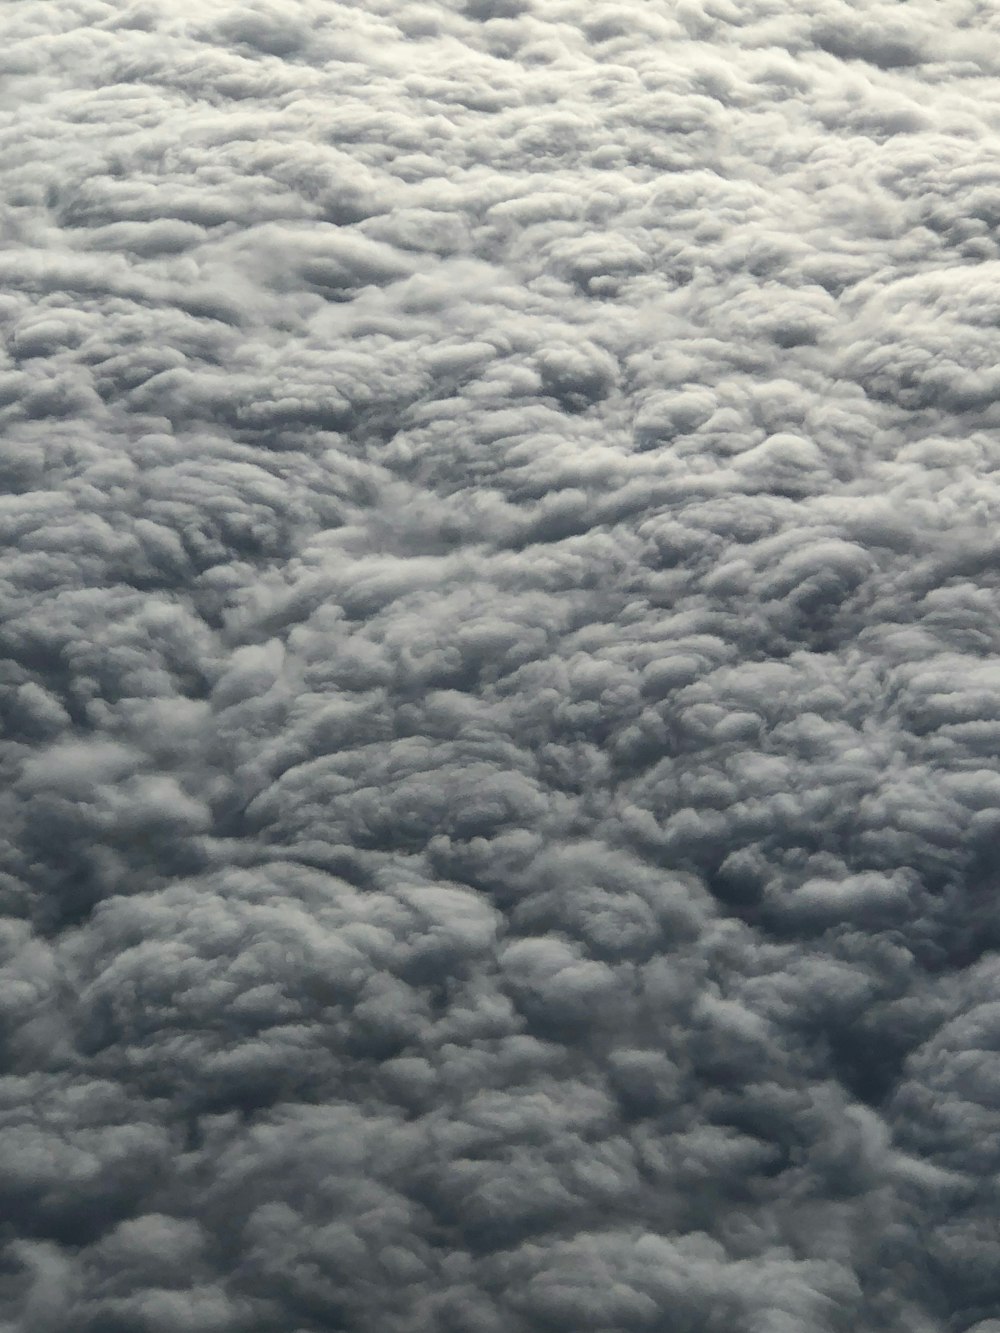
pixel 500 753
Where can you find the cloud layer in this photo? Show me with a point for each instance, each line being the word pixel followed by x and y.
pixel 499 686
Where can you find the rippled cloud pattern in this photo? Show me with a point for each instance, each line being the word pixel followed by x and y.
pixel 499 681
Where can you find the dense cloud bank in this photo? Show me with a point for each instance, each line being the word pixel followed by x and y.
pixel 498 617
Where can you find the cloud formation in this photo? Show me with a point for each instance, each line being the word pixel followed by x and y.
pixel 499 700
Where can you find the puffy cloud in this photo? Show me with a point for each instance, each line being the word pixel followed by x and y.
pixel 497 579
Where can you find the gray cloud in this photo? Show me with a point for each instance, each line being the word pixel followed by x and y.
pixel 497 579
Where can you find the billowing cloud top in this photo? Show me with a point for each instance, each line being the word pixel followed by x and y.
pixel 498 613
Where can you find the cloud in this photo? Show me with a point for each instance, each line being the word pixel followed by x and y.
pixel 497 578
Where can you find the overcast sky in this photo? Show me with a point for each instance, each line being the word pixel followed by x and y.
pixel 499 565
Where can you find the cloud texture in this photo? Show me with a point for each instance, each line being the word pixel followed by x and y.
pixel 499 687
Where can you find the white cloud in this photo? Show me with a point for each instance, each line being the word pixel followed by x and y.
pixel 497 578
